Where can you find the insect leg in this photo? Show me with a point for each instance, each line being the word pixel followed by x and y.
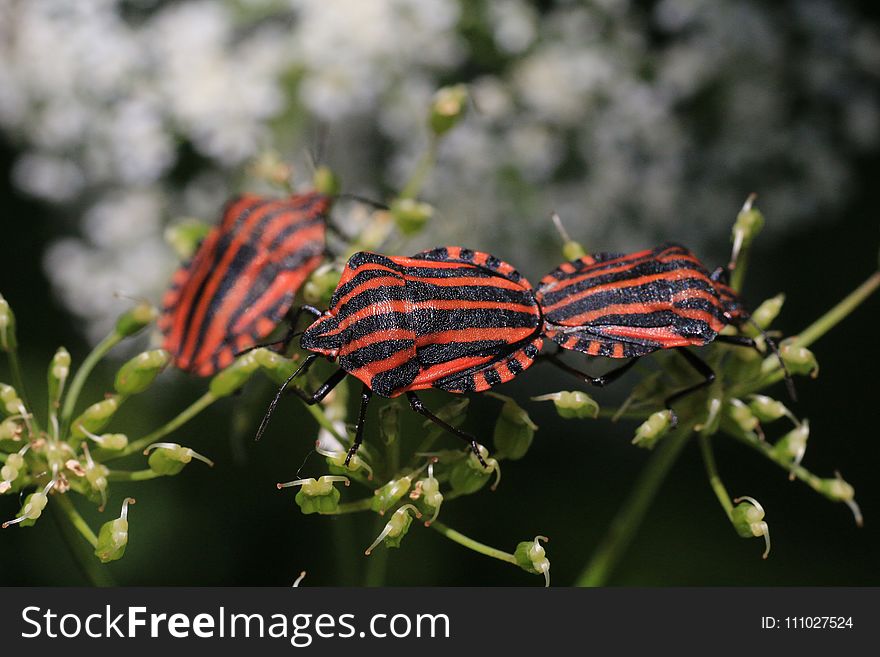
pixel 599 381
pixel 419 408
pixel 314 398
pixel 738 340
pixel 700 366
pixel 366 395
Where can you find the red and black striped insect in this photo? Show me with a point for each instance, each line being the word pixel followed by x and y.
pixel 630 305
pixel 242 280
pixel 450 318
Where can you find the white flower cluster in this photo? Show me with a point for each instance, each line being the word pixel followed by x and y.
pixel 635 126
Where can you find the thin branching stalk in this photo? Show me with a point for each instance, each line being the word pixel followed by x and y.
pixel 82 374
pixel 471 544
pixel 78 536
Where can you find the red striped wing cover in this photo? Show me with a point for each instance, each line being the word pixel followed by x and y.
pixel 626 305
pixel 450 318
pixel 243 278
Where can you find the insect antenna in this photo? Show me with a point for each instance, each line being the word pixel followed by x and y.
pixel 771 344
pixel 265 421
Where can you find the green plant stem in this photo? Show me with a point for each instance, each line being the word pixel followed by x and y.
pixel 471 544
pixel 630 516
pixel 377 565
pixel 82 374
pixel 17 379
pixel 353 507
pixel 138 445
pixel 714 478
pixel 320 416
pixel 135 475
pixel 800 472
pixel 426 163
pixel 74 529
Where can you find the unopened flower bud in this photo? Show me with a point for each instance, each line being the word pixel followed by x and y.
pixel 110 441
pixel 32 508
pixel 447 108
pixel 169 458
pixel 185 236
pixel 96 476
pixel 135 319
pixel 653 429
pixel 388 495
pixel 325 181
pixel 139 373
pixel 468 475
pixel 839 490
pixel 321 284
pixel 113 535
pixel 59 369
pixel 11 429
pixel 10 472
pixel 7 326
pixel 396 528
pixel 748 520
pixel 571 250
pixel 514 431
pixel 317 495
pixel 574 404
pixel 798 360
pixel 742 416
pixel 95 417
pixel 429 491
pixel 337 458
pixel 768 311
pixel 276 366
pixel 713 415
pixel 767 409
pixel 748 224
pixel 793 445
pixel 410 215
pixel 10 402
pixel 532 558
pixel 235 376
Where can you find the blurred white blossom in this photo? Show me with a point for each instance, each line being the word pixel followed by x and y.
pixel 637 122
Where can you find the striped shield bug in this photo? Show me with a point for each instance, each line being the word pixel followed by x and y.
pixel 630 305
pixel 450 318
pixel 243 278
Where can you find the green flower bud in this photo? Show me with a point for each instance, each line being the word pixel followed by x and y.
pixel 653 429
pixel 95 474
pixel 11 429
pixel 10 402
pixel 113 536
pixel 447 108
pixel 95 417
pixel 139 373
pixel 276 366
pixel 748 520
pixel 10 473
pixel 59 369
pixel 574 404
pixel 110 441
pixel 793 445
pixel 389 423
pixel 410 215
pixel 169 458
pixel 713 416
pixel 767 409
pixel 390 494
pixel 571 250
pixel 514 431
pixel 186 236
pixel 838 490
pixel 32 508
pixel 531 557
pixel 321 284
pixel 429 490
pixel 768 311
pixel 396 528
pixel 235 376
pixel 8 341
pixel 748 224
pixel 336 459
pixel 317 495
pixel 798 360
pixel 742 416
pixel 325 181
pixel 135 319
pixel 468 475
